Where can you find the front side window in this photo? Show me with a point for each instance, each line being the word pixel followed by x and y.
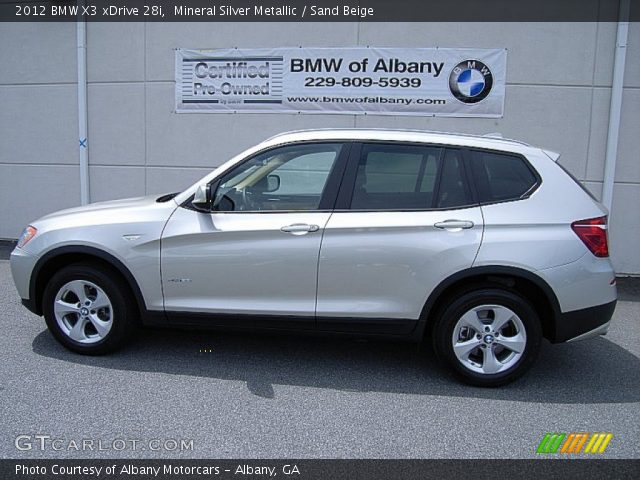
pixel 408 177
pixel 285 178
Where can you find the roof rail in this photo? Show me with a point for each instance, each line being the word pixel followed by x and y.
pixel 493 135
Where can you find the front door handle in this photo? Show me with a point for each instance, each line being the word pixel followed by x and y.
pixel 300 228
pixel 454 224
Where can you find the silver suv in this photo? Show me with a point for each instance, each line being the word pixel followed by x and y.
pixel 479 244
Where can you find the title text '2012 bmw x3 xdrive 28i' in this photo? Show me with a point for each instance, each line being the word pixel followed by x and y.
pixel 481 245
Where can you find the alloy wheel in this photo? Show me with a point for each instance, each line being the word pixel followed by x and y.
pixel 489 339
pixel 83 311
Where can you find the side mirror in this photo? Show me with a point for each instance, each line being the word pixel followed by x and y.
pixel 202 197
pixel 273 183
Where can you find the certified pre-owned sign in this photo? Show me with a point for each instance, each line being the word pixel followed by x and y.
pixel 360 80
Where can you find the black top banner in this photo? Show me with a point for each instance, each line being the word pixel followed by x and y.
pixel 319 10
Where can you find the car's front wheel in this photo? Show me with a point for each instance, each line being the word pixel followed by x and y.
pixel 488 336
pixel 87 311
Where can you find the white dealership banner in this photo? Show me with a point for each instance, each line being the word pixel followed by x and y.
pixel 454 82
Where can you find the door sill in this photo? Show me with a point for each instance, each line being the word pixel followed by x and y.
pixel 356 325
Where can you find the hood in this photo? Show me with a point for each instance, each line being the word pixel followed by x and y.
pixel 130 211
pixel 104 224
pixel 104 207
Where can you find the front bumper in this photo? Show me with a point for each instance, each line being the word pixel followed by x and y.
pixel 31 306
pixel 22 263
pixel 584 323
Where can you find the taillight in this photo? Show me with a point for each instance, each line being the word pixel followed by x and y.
pixel 593 233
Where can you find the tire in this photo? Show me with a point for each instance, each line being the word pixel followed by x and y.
pixel 506 347
pixel 87 310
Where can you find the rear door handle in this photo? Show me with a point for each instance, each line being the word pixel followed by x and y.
pixel 454 224
pixel 300 228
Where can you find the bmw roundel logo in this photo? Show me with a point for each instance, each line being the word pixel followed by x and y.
pixel 470 81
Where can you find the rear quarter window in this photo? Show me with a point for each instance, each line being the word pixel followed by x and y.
pixel 502 176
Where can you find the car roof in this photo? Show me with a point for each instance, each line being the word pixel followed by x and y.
pixel 491 141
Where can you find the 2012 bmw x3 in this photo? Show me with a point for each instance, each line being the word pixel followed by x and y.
pixel 481 245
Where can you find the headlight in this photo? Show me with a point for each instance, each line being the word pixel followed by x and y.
pixel 27 235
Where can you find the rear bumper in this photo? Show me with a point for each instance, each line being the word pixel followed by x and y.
pixel 584 323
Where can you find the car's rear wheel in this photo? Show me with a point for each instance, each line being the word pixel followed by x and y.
pixel 87 311
pixel 488 336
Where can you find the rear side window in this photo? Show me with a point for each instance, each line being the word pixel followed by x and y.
pixel 407 177
pixel 500 176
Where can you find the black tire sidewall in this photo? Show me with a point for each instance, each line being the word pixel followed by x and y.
pixel 450 315
pixel 122 311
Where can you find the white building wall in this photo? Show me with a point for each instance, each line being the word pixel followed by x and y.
pixel 558 89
